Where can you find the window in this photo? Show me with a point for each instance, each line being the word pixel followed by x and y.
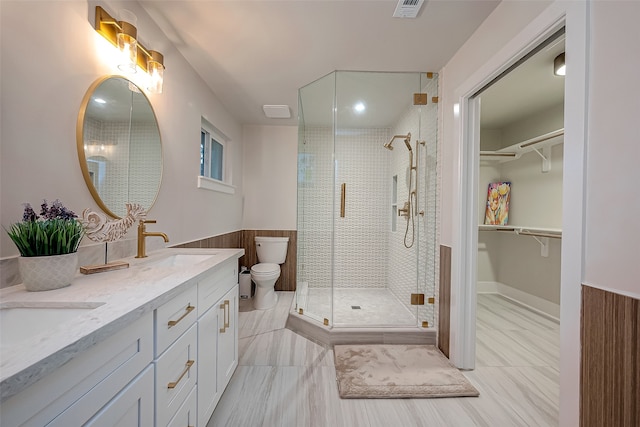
pixel 214 173
pixel 211 156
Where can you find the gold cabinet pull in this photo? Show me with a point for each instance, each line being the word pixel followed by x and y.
pixel 227 311
pixel 188 366
pixel 343 198
pixel 187 310
pixel 226 316
pixel 224 327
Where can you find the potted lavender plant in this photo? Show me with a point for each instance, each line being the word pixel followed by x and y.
pixel 48 245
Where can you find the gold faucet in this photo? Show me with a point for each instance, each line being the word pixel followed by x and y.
pixel 143 234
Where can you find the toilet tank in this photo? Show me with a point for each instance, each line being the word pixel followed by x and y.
pixel 272 249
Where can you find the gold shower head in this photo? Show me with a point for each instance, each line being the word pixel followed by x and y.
pixel 407 140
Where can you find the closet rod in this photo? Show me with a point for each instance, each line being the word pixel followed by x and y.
pixel 496 154
pixel 529 233
pixel 543 138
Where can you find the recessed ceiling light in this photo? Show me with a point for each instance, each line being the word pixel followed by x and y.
pixel 559 67
pixel 100 101
pixel 277 111
pixel 359 107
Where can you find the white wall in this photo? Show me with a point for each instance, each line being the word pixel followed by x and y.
pixel 549 120
pixel 613 173
pixel 270 162
pixel 49 59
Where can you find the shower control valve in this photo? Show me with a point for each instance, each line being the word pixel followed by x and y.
pixel 404 211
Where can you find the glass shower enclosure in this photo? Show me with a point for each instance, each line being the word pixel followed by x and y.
pixel 367 175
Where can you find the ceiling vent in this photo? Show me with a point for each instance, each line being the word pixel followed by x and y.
pixel 408 8
pixel 277 111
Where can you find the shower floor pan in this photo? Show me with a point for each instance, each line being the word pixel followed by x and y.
pixel 362 316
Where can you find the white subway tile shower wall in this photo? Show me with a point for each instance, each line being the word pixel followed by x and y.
pixel 364 229
pixel 361 237
pixel 315 207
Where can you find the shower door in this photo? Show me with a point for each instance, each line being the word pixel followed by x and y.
pixel 374 272
pixel 364 211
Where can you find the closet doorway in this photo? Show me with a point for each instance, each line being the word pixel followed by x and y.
pixel 520 128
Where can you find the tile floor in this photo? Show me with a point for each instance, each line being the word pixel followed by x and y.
pixel 378 307
pixel 286 380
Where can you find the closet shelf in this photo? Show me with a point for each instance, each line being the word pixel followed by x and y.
pixel 553 233
pixel 541 235
pixel 536 144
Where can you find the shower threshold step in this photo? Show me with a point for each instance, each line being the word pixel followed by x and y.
pixel 316 331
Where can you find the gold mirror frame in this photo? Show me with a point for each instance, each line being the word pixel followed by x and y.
pixel 82 155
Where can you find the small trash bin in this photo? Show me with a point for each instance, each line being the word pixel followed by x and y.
pixel 245 283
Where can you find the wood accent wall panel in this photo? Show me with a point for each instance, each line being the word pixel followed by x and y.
pixel 287 280
pixel 444 303
pixel 610 368
pixel 245 239
pixel 228 240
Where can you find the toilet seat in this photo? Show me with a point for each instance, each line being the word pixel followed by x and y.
pixel 265 269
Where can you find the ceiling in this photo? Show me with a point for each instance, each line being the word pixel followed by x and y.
pixel 529 88
pixel 252 53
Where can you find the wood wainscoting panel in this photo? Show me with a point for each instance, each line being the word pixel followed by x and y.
pixel 610 368
pixel 245 239
pixel 287 280
pixel 228 240
pixel 444 303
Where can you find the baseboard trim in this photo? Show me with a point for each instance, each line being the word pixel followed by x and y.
pixel 531 302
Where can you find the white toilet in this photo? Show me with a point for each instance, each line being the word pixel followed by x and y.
pixel 272 251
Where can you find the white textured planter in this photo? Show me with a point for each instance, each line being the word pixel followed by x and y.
pixel 44 273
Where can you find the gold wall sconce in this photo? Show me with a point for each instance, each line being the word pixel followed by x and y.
pixel 123 35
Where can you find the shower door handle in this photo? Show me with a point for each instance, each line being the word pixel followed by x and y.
pixel 343 196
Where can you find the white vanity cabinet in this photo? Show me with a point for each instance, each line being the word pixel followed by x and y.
pixel 105 376
pixel 133 406
pixel 187 413
pixel 158 352
pixel 217 336
pixel 176 358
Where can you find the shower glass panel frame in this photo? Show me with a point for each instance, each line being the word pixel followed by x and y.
pixel 366 217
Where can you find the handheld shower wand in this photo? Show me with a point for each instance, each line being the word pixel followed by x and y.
pixel 410 207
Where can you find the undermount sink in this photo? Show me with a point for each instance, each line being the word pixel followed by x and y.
pixel 180 260
pixel 19 322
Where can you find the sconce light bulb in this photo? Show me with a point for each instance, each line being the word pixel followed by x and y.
pixel 128 47
pixel 156 72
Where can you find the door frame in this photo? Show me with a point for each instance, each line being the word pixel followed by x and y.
pixel 574 16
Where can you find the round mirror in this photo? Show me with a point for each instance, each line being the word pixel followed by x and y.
pixel 119 145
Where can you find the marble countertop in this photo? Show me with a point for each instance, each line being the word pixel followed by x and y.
pixel 120 297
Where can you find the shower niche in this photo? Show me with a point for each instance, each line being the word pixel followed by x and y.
pixel 367 200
